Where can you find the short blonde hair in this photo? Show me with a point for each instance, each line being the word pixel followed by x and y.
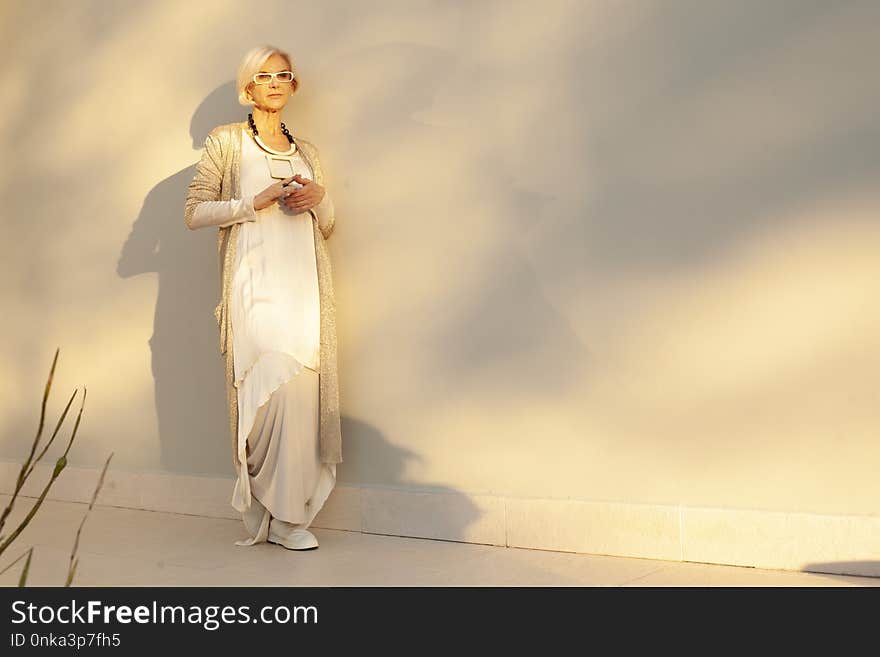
pixel 250 65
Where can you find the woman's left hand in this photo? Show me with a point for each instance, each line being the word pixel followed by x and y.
pixel 305 197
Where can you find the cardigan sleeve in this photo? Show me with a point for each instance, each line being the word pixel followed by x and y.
pixel 203 206
pixel 324 212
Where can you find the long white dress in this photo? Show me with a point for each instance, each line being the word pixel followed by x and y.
pixel 275 313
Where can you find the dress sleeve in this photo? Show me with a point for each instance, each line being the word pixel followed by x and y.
pixel 223 213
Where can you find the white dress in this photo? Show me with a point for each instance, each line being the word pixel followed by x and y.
pixel 275 314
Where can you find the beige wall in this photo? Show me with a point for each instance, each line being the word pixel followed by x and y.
pixel 609 250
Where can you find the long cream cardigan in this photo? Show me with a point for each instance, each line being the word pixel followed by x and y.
pixel 217 179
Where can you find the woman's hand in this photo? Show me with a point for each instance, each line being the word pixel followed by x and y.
pixel 305 197
pixel 272 193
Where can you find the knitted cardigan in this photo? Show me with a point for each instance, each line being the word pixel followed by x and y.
pixel 217 178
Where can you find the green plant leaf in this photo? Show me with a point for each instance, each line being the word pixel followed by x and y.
pixel 27 566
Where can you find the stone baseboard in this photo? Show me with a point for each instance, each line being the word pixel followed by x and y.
pixel 763 539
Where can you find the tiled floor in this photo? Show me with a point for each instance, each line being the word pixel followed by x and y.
pixel 145 548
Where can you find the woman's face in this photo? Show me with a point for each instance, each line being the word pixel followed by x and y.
pixel 274 95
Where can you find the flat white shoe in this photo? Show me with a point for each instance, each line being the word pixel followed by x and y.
pixel 297 539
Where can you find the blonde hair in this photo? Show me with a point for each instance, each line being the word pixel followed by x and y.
pixel 250 66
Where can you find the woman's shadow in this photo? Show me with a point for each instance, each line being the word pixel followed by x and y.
pixel 188 369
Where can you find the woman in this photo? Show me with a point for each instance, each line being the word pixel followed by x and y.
pixel 263 189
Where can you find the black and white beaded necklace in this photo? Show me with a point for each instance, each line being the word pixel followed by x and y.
pixel 287 134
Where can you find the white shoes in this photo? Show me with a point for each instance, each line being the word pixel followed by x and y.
pixel 261 526
pixel 296 539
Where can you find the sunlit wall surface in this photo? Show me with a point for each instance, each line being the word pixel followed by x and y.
pixel 595 250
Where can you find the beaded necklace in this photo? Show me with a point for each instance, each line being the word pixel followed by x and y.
pixel 267 148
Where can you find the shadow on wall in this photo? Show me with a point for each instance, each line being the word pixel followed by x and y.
pixel 379 462
pixel 188 370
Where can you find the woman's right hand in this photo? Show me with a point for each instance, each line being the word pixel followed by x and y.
pixel 273 192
